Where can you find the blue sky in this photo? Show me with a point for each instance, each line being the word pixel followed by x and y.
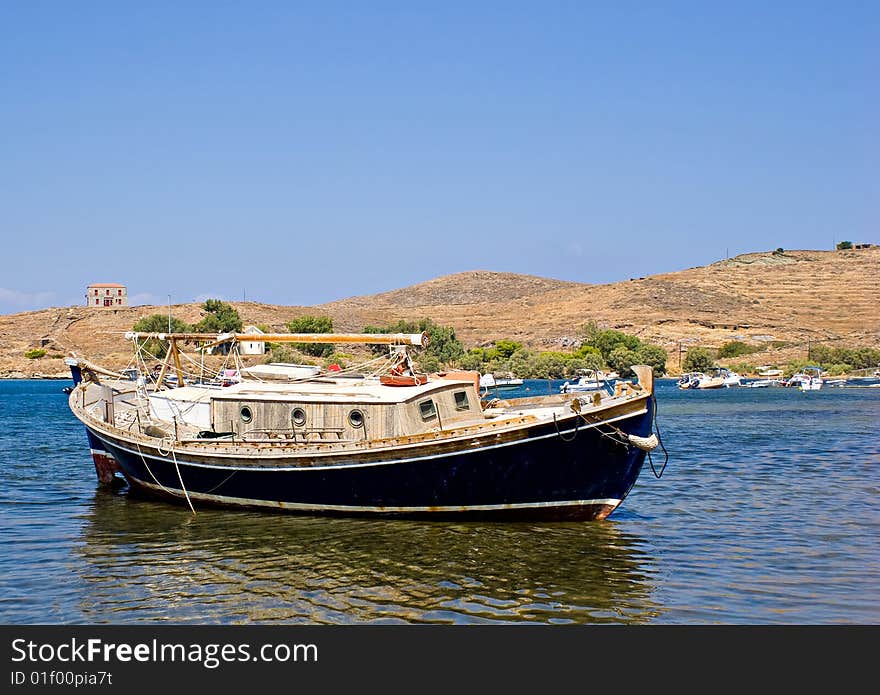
pixel 297 153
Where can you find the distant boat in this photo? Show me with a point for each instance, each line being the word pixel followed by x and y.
pixel 689 380
pixel 699 380
pixel 768 372
pixel 590 380
pixel 865 375
pixel 489 381
pixel 763 383
pixel 730 378
pixel 807 379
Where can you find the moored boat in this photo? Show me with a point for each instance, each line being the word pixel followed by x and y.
pixel 328 443
pixel 490 381
pixel 807 379
pixel 590 380
pixel 700 380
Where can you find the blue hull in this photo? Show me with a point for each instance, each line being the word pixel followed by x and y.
pixel 573 474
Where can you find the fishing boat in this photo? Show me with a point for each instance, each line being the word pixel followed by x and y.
pixel 590 380
pixel 351 443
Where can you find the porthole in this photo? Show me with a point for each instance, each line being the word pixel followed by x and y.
pixel 246 414
pixel 356 418
pixel 298 417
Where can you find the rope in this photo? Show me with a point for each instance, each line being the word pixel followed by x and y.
pixel 660 440
pixel 146 465
pixel 572 437
pixel 180 478
pixel 176 467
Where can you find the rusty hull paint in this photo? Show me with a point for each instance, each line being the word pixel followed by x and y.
pixel 106 467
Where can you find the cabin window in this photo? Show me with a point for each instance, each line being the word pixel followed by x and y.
pixel 428 410
pixel 298 417
pixel 461 401
pixel 356 418
pixel 246 414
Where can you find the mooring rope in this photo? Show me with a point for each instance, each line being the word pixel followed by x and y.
pixel 180 478
pixel 660 441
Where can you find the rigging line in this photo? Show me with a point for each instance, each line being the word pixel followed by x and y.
pixel 221 483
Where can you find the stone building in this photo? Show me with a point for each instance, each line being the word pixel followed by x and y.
pixel 109 295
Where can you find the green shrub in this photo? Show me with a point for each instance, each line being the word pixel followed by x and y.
pixel 35 354
pixel 312 324
pixel 442 341
pixel 220 318
pixel 843 245
pixel 698 359
pixel 743 368
pixel 736 348
pixel 158 323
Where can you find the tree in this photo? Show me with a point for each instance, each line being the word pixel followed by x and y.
pixel 442 342
pixel 843 245
pixel 158 323
pixel 312 324
pixel 220 317
pixel 505 348
pixel 622 358
pixel 588 350
pixel 606 341
pixel 698 359
pixel 654 356
pixel 587 360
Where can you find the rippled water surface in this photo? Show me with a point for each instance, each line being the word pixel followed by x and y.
pixel 767 513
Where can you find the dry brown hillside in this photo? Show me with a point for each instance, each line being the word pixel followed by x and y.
pixel 830 297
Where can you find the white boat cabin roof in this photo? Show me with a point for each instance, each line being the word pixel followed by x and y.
pixel 323 390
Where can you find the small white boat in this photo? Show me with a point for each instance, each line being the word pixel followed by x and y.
pixel 689 380
pixel 488 381
pixel 699 380
pixel 730 378
pixel 807 379
pixel 762 383
pixel 590 380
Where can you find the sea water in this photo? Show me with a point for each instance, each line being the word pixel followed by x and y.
pixel 766 513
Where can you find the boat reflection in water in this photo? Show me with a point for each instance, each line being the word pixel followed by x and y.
pixel 149 562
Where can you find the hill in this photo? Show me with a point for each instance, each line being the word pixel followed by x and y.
pixel 782 301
